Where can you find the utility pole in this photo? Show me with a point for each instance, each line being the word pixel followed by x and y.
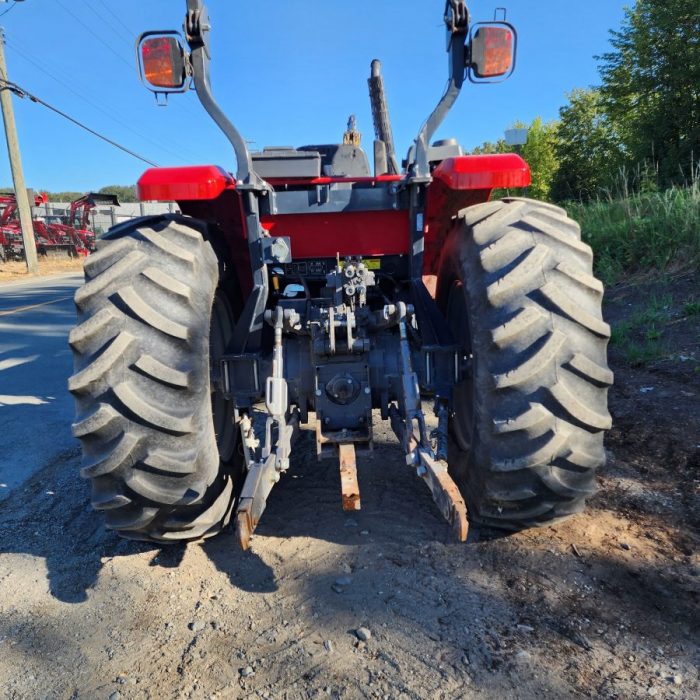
pixel 23 207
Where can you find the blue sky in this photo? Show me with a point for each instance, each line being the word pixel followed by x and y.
pixel 288 72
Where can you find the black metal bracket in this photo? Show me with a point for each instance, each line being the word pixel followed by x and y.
pixel 241 379
pixel 439 369
pixel 456 17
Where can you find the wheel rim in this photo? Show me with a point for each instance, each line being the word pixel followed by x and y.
pixel 222 325
pixel 462 423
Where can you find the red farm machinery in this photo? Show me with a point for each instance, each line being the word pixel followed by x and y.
pixel 56 235
pixel 74 227
pixel 308 289
pixel 11 243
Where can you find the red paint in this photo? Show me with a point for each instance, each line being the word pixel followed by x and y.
pixel 279 182
pixel 183 184
pixel 457 183
pixel 462 182
pixel 488 172
pixel 350 233
pixel 227 212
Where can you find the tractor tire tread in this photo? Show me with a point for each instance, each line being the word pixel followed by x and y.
pixel 540 372
pixel 141 382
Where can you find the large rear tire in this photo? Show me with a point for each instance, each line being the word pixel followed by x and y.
pixel 159 443
pixel 517 288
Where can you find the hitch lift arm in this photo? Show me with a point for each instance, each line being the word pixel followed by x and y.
pixel 411 431
pixel 280 430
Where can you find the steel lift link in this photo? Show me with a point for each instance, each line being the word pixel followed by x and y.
pixel 280 428
pixel 408 423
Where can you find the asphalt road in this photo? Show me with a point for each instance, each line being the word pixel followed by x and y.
pixel 35 362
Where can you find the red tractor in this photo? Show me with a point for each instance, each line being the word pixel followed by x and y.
pixel 73 229
pixel 55 235
pixel 306 289
pixel 11 241
pixel 6 243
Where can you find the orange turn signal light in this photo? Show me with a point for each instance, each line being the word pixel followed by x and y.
pixel 163 62
pixel 492 51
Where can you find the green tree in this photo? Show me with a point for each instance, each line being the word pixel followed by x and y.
pixel 126 193
pixel 488 148
pixel 540 154
pixel 62 196
pixel 588 148
pixel 651 85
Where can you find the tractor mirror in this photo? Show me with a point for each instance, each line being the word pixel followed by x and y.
pixel 162 62
pixel 492 51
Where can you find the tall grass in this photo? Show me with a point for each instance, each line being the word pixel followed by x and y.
pixel 633 232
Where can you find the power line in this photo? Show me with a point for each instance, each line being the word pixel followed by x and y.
pixel 117 30
pixel 21 92
pixel 130 41
pixel 116 16
pixel 96 36
pixel 182 105
pixel 9 9
pixel 93 104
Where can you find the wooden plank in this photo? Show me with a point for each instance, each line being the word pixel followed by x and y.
pixel 348 477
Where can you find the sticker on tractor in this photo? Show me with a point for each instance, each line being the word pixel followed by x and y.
pixel 369 263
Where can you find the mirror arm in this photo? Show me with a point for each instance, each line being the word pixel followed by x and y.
pixel 457 21
pixel 197 32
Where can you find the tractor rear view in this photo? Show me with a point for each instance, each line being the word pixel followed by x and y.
pixel 309 289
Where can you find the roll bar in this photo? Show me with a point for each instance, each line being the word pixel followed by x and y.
pixel 197 28
pixel 457 23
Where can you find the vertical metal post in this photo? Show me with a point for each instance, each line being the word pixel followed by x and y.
pixel 25 214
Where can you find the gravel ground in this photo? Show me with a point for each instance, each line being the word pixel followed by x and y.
pixel 377 604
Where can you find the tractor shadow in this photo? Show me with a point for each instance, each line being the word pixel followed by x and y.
pixel 50 518
pixel 306 508
pixel 409 576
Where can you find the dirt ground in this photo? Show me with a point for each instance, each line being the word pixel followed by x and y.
pixel 17 271
pixel 604 605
